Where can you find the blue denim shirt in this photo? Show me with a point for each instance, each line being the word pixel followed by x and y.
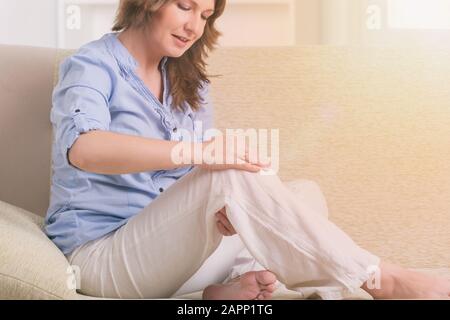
pixel 99 89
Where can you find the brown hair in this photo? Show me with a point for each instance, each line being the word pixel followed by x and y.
pixel 188 72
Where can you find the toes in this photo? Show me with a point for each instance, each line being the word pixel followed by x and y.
pixel 265 277
pixel 263 295
pixel 267 295
pixel 270 287
pixel 259 296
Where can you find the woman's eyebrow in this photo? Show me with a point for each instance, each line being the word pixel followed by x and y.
pixel 196 5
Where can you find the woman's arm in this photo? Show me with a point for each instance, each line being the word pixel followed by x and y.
pixel 106 152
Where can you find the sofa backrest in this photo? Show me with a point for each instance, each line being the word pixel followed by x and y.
pixel 371 125
pixel 26 78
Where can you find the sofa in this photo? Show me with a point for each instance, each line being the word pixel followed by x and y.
pixel 367 126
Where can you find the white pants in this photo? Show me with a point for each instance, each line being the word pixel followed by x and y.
pixel 164 250
pixel 232 259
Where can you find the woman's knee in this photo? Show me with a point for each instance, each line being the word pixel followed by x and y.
pixel 310 192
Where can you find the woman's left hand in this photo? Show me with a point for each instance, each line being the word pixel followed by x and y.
pixel 223 224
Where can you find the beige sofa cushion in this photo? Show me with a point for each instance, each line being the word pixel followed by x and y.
pixel 31 265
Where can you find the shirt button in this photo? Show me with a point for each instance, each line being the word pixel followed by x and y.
pixel 78 110
pixel 175 129
pixel 161 189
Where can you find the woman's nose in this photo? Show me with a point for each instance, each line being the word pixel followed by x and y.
pixel 195 26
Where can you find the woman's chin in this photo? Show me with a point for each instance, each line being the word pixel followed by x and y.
pixel 176 52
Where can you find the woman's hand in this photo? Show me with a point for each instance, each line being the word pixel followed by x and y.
pixel 220 153
pixel 223 224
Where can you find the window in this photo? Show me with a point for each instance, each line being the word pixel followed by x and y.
pixel 419 14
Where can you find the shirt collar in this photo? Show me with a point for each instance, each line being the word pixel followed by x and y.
pixel 164 62
pixel 122 55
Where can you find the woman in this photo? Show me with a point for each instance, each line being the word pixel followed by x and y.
pixel 138 224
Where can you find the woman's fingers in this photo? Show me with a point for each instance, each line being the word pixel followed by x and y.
pixel 253 165
pixel 243 154
pixel 222 218
pixel 265 164
pixel 253 157
pixel 248 167
pixel 222 229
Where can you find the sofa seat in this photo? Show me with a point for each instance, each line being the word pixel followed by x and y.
pixel 32 267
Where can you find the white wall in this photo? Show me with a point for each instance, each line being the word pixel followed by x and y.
pixel 35 23
pixel 249 23
pixel 330 22
pixel 28 22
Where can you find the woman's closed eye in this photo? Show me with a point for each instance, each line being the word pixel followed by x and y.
pixel 187 8
pixel 184 7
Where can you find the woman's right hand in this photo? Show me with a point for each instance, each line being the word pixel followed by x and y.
pixel 220 153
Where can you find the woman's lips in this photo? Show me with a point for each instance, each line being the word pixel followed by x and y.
pixel 180 43
pixel 181 38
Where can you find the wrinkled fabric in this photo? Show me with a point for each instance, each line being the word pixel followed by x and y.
pixel 164 245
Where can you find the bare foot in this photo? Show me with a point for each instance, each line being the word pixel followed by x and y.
pixel 400 283
pixel 253 285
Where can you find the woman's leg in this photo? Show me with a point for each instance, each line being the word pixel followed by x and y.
pixel 231 259
pixel 159 249
pixel 310 193
pixel 216 268
pixel 386 281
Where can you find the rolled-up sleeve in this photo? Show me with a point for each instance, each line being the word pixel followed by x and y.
pixel 80 101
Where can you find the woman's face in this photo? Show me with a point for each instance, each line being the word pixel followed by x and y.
pixel 176 26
